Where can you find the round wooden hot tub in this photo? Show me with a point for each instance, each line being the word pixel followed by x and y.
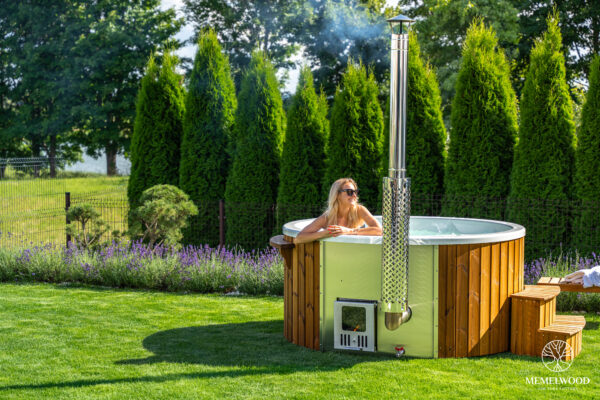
pixel 461 275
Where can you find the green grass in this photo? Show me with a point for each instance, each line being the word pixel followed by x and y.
pixel 33 209
pixel 65 342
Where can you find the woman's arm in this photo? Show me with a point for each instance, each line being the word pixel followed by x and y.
pixel 313 231
pixel 373 227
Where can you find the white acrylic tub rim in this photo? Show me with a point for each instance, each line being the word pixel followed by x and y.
pixel 433 230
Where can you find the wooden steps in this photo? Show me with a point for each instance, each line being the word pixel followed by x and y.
pixel 566 287
pixel 534 322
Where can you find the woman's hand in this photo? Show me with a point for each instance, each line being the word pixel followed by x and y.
pixel 337 230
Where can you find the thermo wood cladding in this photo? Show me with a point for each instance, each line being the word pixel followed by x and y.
pixel 535 323
pixel 475 284
pixel 300 291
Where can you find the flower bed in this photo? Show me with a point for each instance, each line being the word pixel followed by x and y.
pixel 136 265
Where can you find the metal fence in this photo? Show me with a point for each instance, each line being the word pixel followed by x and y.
pixel 33 210
pixel 31 203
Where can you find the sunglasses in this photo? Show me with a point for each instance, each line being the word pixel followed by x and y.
pixel 349 192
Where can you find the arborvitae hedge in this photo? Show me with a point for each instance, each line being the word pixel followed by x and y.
pixel 356 135
pixel 210 109
pixel 425 134
pixel 587 175
pixel 156 141
pixel 303 157
pixel 252 184
pixel 484 128
pixel 542 177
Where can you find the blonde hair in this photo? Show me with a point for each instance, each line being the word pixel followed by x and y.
pixel 333 206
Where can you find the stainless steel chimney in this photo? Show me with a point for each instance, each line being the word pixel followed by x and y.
pixel 396 188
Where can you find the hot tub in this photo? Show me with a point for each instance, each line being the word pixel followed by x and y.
pixel 461 274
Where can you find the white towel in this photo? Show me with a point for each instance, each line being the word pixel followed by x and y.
pixel 575 277
pixel 591 277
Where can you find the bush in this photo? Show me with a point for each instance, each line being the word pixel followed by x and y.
pixel 355 142
pixel 484 127
pixel 303 158
pixel 587 179
pixel 138 265
pixel 156 140
pixel 85 227
pixel 162 215
pixel 544 156
pixel 209 115
pixel 252 183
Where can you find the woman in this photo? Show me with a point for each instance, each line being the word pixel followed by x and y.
pixel 344 216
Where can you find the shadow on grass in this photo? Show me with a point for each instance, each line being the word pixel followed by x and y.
pixel 251 348
pixel 249 344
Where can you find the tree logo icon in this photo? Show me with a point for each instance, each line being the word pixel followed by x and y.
pixel 557 355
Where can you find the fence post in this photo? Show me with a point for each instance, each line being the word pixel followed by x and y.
pixel 221 223
pixel 67 206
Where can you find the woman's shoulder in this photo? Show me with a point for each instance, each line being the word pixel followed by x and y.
pixel 362 210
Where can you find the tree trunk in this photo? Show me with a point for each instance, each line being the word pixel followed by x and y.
pixel 52 156
pixel 111 160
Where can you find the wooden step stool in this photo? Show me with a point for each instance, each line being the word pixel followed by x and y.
pixel 534 322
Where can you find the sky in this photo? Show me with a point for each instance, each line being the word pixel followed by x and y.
pixel 189 51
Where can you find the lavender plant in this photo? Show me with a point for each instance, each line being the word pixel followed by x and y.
pixel 139 265
pixel 560 266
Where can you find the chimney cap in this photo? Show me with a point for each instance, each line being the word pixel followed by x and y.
pixel 400 19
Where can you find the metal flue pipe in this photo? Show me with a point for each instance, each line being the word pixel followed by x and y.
pixel 396 188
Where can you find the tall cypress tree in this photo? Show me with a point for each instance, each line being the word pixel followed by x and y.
pixel 355 141
pixel 209 115
pixel 156 141
pixel 484 128
pixel 587 161
pixel 252 183
pixel 543 168
pixel 303 158
pixel 425 134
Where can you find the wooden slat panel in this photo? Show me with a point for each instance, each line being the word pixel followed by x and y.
pixel 522 264
pixel 462 300
pixel 309 293
pixel 301 289
pixel 516 264
pixel 484 308
pixel 503 302
pixel 494 299
pixel 516 306
pixel 511 268
pixel 529 327
pixel 442 285
pixel 542 316
pixel 474 298
pixel 451 303
pixel 298 253
pixel 317 291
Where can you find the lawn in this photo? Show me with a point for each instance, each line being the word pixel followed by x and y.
pixel 61 341
pixel 34 209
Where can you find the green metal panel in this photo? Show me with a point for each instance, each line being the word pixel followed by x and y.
pixel 353 271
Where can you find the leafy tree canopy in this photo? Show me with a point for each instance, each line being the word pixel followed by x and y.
pixel 442 28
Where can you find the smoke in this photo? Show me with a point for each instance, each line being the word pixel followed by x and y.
pixel 347 21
